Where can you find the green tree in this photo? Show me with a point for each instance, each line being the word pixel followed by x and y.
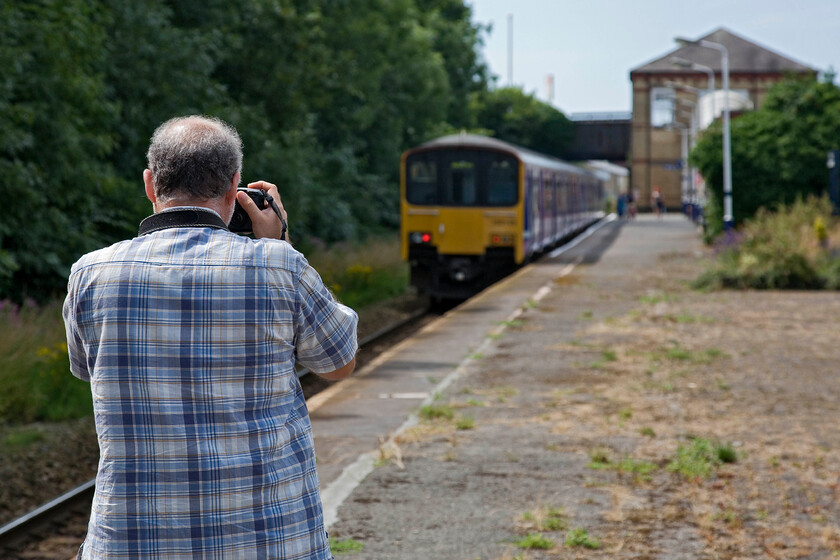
pixel 390 89
pixel 325 93
pixel 778 151
pixel 458 41
pixel 520 118
pixel 57 189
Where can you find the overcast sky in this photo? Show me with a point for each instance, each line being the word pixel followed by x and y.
pixel 590 46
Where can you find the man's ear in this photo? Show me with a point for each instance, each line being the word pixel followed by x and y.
pixel 150 186
pixel 230 196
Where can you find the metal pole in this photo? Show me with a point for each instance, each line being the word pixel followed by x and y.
pixel 728 218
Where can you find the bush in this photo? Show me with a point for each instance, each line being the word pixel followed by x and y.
pixel 787 249
pixel 34 368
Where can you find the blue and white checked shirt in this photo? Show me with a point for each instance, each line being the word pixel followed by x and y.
pixel 189 337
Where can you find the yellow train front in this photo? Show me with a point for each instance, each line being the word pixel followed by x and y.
pixel 473 208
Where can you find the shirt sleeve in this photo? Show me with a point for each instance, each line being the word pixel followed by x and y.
pixel 75 348
pixel 326 330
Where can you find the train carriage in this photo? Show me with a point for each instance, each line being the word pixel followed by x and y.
pixel 473 208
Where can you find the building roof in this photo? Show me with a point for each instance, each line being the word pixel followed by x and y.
pixel 745 57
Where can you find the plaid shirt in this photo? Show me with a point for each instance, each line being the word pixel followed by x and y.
pixel 189 337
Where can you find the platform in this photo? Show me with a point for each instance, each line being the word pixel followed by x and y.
pixel 352 419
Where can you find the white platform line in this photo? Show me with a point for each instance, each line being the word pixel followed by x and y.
pixel 577 240
pixel 340 489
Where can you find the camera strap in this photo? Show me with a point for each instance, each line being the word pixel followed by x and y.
pixel 186 217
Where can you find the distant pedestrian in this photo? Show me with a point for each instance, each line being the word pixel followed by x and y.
pixel 631 205
pixel 656 202
pixel 621 205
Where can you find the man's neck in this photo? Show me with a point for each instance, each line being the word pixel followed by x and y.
pixel 216 206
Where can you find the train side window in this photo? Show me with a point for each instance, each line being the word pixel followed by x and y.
pixel 461 186
pixel 421 186
pixel 502 188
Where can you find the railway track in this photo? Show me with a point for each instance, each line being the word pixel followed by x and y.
pixel 54 530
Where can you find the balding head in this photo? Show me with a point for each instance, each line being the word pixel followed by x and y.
pixel 194 158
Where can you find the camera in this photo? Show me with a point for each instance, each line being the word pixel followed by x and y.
pixel 241 222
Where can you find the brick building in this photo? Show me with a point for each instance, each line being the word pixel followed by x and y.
pixel 666 97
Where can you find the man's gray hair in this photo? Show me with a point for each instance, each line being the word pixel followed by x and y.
pixel 194 158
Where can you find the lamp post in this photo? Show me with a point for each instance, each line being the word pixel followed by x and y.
pixel 694 118
pixel 689 135
pixel 728 220
pixel 710 73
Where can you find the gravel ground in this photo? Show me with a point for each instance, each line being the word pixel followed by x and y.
pixel 579 410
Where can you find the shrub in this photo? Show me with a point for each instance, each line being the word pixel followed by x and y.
pixel 34 367
pixel 787 249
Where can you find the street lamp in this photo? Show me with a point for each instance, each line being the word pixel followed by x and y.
pixel 688 145
pixel 694 118
pixel 710 73
pixel 727 149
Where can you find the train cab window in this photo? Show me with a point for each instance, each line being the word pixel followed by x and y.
pixel 462 177
pixel 501 181
pixel 460 184
pixel 422 182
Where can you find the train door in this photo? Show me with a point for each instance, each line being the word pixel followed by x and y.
pixel 528 233
pixel 536 210
pixel 548 208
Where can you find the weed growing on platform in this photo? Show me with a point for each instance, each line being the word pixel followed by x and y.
pixel 437 412
pixel 700 459
pixel 346 546
pixel 678 353
pixel 599 459
pixel 465 423
pixel 545 519
pixel 535 541
pixel 609 356
pixel 654 297
pixel 580 537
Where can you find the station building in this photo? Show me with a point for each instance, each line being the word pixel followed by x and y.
pixel 677 95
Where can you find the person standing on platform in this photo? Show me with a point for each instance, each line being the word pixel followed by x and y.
pixel 188 335
pixel 656 202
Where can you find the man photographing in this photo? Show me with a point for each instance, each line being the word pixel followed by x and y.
pixel 188 335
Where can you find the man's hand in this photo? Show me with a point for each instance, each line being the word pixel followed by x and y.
pixel 265 222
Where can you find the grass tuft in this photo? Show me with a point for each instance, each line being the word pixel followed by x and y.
pixel 437 412
pixel 465 423
pixel 535 541
pixel 346 546
pixel 701 458
pixel 580 537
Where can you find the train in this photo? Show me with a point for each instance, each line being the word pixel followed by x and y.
pixel 474 208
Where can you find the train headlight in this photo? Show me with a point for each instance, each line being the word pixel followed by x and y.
pixel 419 237
pixel 497 240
